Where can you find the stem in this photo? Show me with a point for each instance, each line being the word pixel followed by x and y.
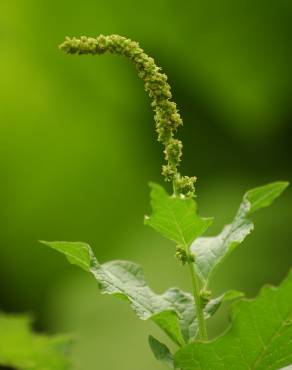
pixel 198 305
pixel 174 188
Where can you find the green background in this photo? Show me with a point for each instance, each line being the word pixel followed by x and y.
pixel 77 149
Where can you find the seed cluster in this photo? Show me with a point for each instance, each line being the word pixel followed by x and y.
pixel 167 117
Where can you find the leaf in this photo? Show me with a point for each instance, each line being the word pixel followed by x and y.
pixel 260 337
pixel 264 196
pixel 22 349
pixel 79 254
pixel 173 311
pixel 126 280
pixel 175 217
pixel 161 352
pixel 209 252
pixel 214 304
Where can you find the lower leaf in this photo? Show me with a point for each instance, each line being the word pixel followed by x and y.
pixel 260 337
pixel 161 352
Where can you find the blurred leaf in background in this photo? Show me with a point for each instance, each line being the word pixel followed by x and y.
pixel 25 350
pixel 77 149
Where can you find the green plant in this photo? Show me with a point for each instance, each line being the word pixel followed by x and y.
pixel 261 334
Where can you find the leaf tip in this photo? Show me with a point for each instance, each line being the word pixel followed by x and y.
pixel 77 253
pixel 282 185
pixel 264 196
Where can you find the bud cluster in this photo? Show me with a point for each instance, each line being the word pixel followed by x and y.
pixel 167 117
pixel 183 256
pixel 205 296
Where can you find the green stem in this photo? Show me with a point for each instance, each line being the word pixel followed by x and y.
pixel 198 304
pixel 174 187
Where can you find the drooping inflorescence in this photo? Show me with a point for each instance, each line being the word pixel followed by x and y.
pixel 167 117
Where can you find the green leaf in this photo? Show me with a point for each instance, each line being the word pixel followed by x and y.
pixel 126 280
pixel 209 252
pixel 264 196
pixel 260 337
pixel 161 352
pixel 175 217
pixel 22 349
pixel 173 311
pixel 232 295
pixel 77 253
pixel 214 304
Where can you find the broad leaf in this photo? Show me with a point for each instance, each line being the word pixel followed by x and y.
pixel 209 252
pixel 260 337
pixel 175 217
pixel 22 349
pixel 161 352
pixel 173 311
pixel 126 280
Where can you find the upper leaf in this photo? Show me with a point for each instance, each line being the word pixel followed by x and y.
pixel 22 349
pixel 173 311
pixel 259 339
pixel 175 217
pixel 211 251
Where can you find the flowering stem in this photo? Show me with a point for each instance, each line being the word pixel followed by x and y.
pixel 166 114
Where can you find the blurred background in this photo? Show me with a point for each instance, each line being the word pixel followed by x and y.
pixel 77 149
